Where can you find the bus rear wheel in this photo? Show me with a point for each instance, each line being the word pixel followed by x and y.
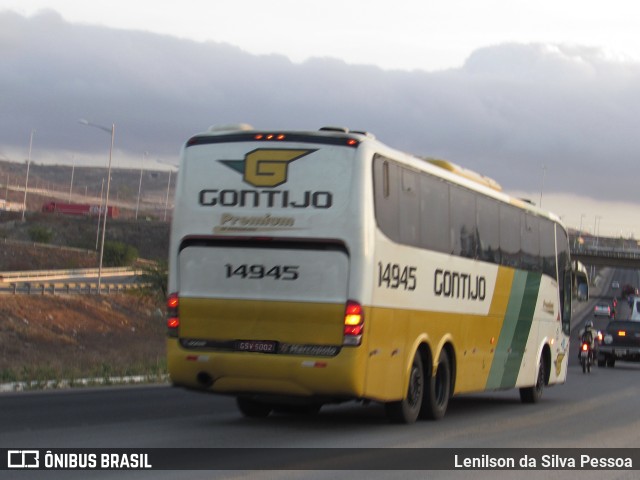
pixel 534 394
pixel 250 408
pixel 438 390
pixel 408 409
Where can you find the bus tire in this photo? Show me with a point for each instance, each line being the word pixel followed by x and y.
pixel 534 394
pixel 408 409
pixel 311 409
pixel 252 409
pixel 438 390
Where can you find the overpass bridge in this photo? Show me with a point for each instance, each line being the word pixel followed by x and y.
pixel 601 252
pixel 605 256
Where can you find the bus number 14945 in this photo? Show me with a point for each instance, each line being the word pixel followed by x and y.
pixel 258 272
pixel 392 275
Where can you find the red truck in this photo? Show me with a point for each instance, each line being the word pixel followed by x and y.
pixel 79 209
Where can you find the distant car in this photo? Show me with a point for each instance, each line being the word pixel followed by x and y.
pixel 615 285
pixel 620 341
pixel 602 310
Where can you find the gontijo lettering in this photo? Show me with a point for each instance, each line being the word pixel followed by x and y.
pixel 264 198
pixel 459 285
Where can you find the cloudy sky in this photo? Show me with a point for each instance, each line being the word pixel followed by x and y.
pixel 542 96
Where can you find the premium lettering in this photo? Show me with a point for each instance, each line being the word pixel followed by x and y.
pixel 459 285
pixel 262 221
pixel 265 198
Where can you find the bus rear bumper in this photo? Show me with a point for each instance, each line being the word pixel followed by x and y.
pixel 246 373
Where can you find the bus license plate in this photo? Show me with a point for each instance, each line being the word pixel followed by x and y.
pixel 260 346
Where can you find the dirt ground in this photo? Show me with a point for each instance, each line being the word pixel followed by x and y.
pixel 55 337
pixel 44 337
pixel 15 257
pixel 49 337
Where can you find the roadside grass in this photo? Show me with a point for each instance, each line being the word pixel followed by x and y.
pixel 65 341
pixel 39 377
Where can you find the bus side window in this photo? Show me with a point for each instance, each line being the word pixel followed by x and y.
pixel 531 243
pixel 488 230
pixel 548 248
pixel 463 222
pixel 434 214
pixel 386 197
pixel 564 270
pixel 409 212
pixel 510 236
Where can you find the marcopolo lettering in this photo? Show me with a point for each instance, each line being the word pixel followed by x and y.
pixel 459 285
pixel 265 198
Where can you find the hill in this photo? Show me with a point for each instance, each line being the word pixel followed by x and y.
pixel 149 238
pixel 76 184
pixel 46 337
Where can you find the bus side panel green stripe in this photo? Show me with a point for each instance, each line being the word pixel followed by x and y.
pixel 522 330
pixel 507 331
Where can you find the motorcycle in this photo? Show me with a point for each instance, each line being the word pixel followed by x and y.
pixel 586 356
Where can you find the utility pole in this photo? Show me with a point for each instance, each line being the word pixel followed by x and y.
pixel 26 182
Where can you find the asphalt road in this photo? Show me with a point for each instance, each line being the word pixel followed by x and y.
pixel 597 410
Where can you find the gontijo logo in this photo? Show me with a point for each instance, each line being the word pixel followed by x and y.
pixel 266 167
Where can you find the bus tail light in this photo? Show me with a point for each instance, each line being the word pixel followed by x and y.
pixel 353 324
pixel 173 319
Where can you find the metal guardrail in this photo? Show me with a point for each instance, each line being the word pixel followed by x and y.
pixel 35 275
pixel 44 281
pixel 87 288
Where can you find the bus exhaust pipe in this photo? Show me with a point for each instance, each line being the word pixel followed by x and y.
pixel 204 380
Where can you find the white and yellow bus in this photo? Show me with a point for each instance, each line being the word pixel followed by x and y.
pixel 316 267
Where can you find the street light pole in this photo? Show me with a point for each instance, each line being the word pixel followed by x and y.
pixel 166 203
pixel 544 174
pixel 112 131
pixel 26 183
pixel 73 167
pixel 99 215
pixel 140 184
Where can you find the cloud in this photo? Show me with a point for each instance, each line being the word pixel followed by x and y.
pixel 514 112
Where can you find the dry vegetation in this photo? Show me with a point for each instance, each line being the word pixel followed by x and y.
pixel 55 337
pixel 78 336
pixel 69 337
